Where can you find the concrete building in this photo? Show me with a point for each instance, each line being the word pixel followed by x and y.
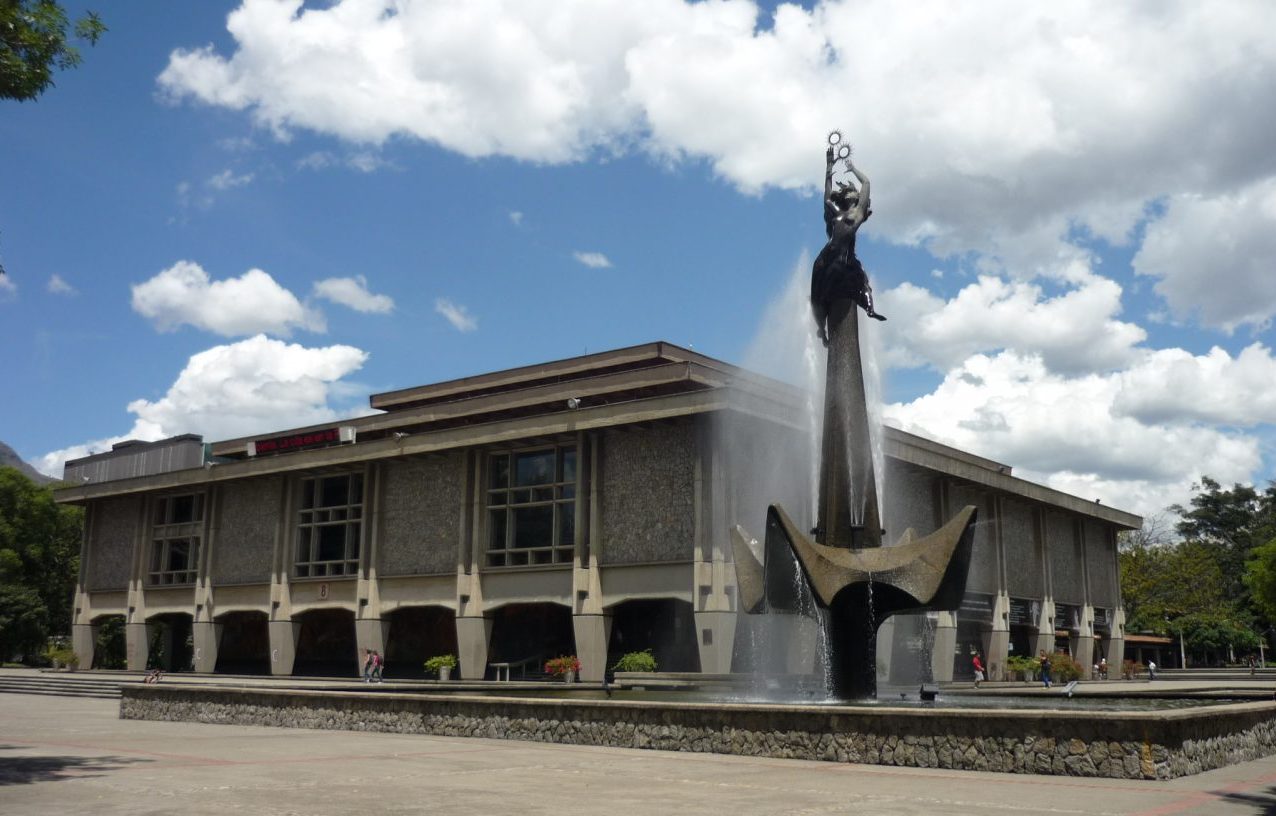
pixel 578 507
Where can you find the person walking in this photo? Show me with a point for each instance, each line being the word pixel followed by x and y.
pixel 367 666
pixel 1151 669
pixel 979 669
pixel 1045 669
pixel 376 666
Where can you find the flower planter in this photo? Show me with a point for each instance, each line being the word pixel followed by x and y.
pixel 569 677
pixel 445 674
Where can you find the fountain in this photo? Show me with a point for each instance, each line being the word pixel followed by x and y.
pixel 842 561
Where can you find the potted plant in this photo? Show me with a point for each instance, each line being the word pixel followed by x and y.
pixel 443 665
pixel 643 661
pixel 1022 666
pixel 566 667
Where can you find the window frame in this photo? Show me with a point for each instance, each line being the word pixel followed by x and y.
pixel 560 494
pixel 312 518
pixel 168 530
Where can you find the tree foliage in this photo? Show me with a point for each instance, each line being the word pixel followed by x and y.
pixel 1234 523
pixel 34 44
pixel 39 558
pixel 1215 584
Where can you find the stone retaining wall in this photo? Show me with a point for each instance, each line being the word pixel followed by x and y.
pixel 1133 745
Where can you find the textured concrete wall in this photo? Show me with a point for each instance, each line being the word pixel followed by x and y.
pixel 983 559
pixel 421 515
pixel 115 524
pixel 248 512
pixel 1099 557
pixel 648 507
pixel 909 501
pixel 1121 746
pixel 1023 563
pixel 1065 559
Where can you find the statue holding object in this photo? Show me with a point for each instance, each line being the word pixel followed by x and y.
pixel 837 273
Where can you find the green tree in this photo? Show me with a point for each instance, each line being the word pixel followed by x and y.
pixel 24 622
pixel 39 558
pixel 1233 522
pixel 1260 579
pixel 1162 581
pixel 34 44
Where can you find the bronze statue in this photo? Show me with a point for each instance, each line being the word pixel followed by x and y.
pixel 837 273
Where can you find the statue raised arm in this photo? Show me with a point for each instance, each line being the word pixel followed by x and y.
pixel 837 273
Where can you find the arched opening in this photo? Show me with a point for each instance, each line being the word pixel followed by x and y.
pixel 664 625
pixel 326 645
pixel 110 649
pixel 530 634
pixel 417 633
pixel 245 643
pixel 170 644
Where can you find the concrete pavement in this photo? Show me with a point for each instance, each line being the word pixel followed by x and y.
pixel 62 755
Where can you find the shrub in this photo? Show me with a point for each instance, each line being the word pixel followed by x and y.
pixel 1063 669
pixel 447 661
pixel 62 656
pixel 643 661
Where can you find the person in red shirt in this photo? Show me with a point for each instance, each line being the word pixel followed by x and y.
pixel 979 669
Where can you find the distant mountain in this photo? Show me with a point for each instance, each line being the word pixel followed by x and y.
pixel 9 458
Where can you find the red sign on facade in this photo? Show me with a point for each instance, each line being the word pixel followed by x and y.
pixel 299 441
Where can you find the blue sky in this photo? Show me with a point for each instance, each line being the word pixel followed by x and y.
pixel 1072 233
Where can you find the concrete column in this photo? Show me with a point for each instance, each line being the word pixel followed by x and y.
pixel 1116 643
pixel 1085 643
pixel 998 645
pixel 83 641
pixel 83 632
pixel 885 649
pixel 370 634
pixel 473 634
pixel 593 633
pixel 941 656
pixel 283 645
pixel 206 637
pixel 137 643
pixel 715 639
pixel 1045 628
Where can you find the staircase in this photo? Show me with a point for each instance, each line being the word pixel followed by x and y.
pixel 60 684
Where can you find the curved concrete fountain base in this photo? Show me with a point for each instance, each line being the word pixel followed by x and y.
pixel 1122 745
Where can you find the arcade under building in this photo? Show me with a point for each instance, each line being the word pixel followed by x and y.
pixel 582 507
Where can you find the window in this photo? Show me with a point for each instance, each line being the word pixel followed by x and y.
pixel 176 528
pixel 329 525
pixel 531 507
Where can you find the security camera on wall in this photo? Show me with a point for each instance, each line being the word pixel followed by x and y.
pixel 573 403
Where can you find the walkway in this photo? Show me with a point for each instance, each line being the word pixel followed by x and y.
pixel 68 755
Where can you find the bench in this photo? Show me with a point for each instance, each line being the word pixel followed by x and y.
pixel 503 669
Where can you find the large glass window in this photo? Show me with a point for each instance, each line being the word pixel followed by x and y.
pixel 176 529
pixel 329 525
pixel 531 507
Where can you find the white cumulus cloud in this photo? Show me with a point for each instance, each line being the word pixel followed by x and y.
pixel 227 179
pixel 8 289
pixel 353 292
pixel 1214 257
pixel 1069 432
pixel 594 260
pixel 456 314
pixel 251 386
pixel 58 286
pixel 997 127
pixel 251 303
pixel 1073 331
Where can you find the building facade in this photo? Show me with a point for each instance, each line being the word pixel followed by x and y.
pixel 582 506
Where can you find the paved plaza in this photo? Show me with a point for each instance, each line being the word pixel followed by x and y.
pixel 70 755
